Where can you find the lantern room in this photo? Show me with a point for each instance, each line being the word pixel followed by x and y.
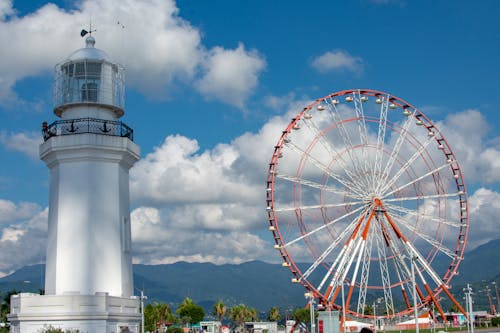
pixel 87 78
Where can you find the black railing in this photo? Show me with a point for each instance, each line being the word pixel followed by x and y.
pixel 86 125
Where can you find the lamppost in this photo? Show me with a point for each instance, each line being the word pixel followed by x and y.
pixel 310 296
pixel 343 308
pixel 374 318
pixel 142 310
pixel 415 313
pixel 497 296
pixel 377 301
pixel 468 301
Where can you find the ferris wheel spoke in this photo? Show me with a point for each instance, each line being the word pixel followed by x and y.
pixel 365 272
pixel 397 269
pixel 323 226
pixel 408 163
pixel 413 252
pixel 346 139
pixel 325 169
pixel 431 172
pixel 360 253
pixel 346 263
pixel 384 270
pixel 382 126
pixel 311 125
pixel 330 248
pixel 345 249
pixel 423 197
pixel 363 131
pixel 343 267
pixel 422 215
pixel 316 185
pixel 395 152
pixel 437 245
pixel 291 209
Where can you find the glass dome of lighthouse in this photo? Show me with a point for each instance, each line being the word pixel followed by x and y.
pixel 89 78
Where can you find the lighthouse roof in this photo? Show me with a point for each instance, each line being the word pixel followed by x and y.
pixel 89 52
pixel 89 78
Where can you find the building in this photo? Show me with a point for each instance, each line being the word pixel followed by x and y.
pixel 261 326
pixel 88 278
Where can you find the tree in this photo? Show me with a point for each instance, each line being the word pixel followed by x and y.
pixel 454 308
pixel 274 314
pixel 252 315
pixel 188 309
pixel 158 314
pixel 302 315
pixel 237 314
pixel 220 309
pixel 5 307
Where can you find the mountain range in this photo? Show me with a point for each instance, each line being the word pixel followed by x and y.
pixel 256 284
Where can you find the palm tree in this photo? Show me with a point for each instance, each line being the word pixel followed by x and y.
pixel 220 310
pixel 189 309
pixel 238 314
pixel 274 314
pixel 252 315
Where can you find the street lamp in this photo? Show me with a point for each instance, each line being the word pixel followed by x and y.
pixel 377 301
pixel 142 310
pixel 343 307
pixel 468 302
pixel 310 296
pixel 415 313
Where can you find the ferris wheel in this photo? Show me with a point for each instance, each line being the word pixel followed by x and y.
pixel 365 193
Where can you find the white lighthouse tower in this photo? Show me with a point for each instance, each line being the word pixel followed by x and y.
pixel 88 280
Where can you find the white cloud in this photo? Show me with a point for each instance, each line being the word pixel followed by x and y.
pixel 23 243
pixel 26 143
pixel 484 210
pixel 231 75
pixel 467 134
pixel 10 212
pixel 168 239
pixel 166 49
pixel 177 173
pixel 5 9
pixel 337 60
pixel 204 205
pixel 279 103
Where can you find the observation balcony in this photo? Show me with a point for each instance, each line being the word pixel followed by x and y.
pixel 87 125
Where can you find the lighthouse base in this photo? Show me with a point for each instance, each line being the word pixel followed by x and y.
pixel 100 313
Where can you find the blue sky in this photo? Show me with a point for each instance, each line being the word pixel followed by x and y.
pixel 210 85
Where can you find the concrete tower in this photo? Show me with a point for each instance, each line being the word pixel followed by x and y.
pixel 88 278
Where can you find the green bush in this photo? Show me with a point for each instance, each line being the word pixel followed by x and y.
pixel 173 329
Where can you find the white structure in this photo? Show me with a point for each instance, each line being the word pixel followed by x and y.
pixel 261 326
pixel 88 279
pixel 210 326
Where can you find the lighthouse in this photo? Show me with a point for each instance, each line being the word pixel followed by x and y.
pixel 89 152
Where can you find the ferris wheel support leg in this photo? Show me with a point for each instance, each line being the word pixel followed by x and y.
pixel 349 295
pixel 436 303
pixel 358 251
pixel 364 235
pixel 420 294
pixel 450 296
pixel 405 297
